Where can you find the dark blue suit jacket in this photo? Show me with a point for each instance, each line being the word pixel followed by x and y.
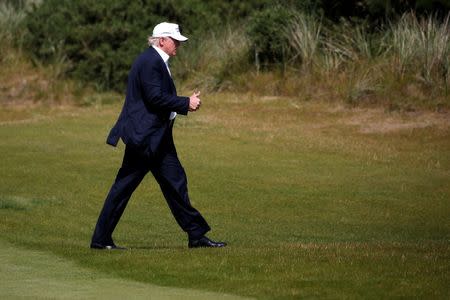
pixel 151 96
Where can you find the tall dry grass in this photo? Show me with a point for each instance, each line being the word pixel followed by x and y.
pixel 421 47
pixel 304 36
pixel 212 61
pixel 404 64
pixel 10 31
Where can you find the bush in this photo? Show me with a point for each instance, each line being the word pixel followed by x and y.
pixel 98 39
pixel 266 31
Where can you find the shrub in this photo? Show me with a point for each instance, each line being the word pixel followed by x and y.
pixel 266 31
pixel 98 39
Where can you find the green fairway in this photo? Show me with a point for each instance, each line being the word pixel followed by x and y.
pixel 314 200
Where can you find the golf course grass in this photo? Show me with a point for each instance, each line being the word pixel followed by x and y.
pixel 37 275
pixel 315 200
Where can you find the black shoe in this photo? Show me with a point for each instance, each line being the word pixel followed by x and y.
pixel 106 247
pixel 204 242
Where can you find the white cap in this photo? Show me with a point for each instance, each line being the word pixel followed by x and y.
pixel 168 29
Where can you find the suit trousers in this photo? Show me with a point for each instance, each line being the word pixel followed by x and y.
pixel 171 177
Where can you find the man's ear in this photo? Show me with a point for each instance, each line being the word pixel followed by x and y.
pixel 161 41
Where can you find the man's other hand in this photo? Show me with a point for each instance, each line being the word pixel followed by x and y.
pixel 194 101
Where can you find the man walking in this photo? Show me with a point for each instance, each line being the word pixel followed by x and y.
pixel 145 126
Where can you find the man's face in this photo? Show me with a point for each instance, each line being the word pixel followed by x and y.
pixel 169 45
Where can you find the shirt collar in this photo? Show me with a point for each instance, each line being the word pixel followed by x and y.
pixel 163 54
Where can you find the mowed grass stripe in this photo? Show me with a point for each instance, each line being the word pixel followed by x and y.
pixel 39 275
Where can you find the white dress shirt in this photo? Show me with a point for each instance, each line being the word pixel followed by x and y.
pixel 165 57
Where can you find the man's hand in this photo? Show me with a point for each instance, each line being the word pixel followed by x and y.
pixel 194 101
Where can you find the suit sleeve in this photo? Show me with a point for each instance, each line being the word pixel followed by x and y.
pixel 151 78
